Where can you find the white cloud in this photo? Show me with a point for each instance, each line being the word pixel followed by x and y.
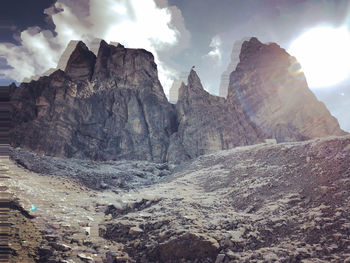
pixel 215 53
pixel 35 54
pixel 136 24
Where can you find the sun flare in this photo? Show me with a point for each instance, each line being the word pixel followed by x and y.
pixel 324 55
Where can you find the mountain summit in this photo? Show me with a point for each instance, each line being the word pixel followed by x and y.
pixel 272 89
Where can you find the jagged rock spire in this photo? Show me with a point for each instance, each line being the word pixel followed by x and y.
pixel 272 89
pixel 81 63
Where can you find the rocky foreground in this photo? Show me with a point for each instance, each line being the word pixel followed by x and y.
pixel 287 202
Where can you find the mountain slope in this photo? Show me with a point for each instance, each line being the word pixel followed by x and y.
pixel 287 202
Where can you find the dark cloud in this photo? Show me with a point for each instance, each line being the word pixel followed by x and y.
pixel 22 14
pixel 7 25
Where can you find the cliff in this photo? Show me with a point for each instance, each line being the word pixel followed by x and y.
pixel 272 89
pixel 112 106
pixel 107 107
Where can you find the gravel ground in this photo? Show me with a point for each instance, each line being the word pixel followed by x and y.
pixel 111 175
pixel 287 202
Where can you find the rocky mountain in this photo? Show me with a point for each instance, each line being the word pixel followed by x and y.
pixel 237 198
pixel 112 106
pixel 273 91
pixel 106 107
pixel 208 123
pixel 287 202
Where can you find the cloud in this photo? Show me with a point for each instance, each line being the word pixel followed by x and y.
pixel 36 54
pixel 157 27
pixel 215 53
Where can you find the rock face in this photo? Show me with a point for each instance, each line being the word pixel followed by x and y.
pixel 208 123
pixel 271 88
pixel 81 63
pixel 108 107
pixel 112 106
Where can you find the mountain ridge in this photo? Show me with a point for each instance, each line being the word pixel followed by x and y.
pixel 112 106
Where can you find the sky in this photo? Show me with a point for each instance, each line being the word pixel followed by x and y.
pixel 180 34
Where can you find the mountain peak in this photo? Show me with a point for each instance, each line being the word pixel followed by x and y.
pixel 81 63
pixel 103 44
pixel 193 92
pixel 194 81
pixel 250 47
pixel 254 41
pixel 276 96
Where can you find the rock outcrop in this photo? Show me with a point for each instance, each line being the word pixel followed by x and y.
pixel 108 107
pixel 81 63
pixel 112 106
pixel 207 123
pixel 272 89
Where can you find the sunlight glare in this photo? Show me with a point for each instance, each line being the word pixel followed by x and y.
pixel 324 55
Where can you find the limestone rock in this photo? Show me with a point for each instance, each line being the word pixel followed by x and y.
pixel 263 203
pixel 111 107
pixel 85 258
pixel 80 63
pixel 135 231
pixel 208 123
pixel 62 63
pixel 130 68
pixel 272 89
